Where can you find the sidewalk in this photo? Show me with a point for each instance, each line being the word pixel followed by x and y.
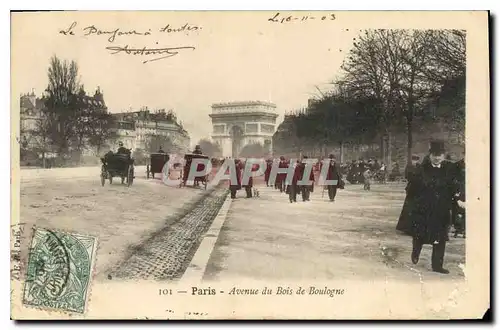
pixel 269 238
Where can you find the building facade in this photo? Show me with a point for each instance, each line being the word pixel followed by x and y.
pixel 137 130
pixel 33 141
pixel 148 130
pixel 30 114
pixel 237 124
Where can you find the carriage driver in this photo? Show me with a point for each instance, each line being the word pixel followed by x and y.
pixel 122 149
pixel 197 150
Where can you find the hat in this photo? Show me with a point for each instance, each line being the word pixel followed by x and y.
pixel 415 157
pixel 120 144
pixel 331 156
pixel 437 147
pixel 282 157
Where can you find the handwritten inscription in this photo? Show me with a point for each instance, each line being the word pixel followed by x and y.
pixel 144 51
pixel 154 53
pixel 279 18
pixel 92 30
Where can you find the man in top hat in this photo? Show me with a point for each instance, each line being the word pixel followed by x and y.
pixel 433 188
pixel 333 173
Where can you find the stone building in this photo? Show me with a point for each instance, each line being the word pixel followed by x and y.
pixel 140 129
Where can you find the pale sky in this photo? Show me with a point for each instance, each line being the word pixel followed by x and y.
pixel 237 57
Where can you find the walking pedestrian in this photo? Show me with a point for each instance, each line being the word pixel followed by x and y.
pixel 235 186
pixel 367 179
pixel 333 173
pixel 281 177
pixel 292 187
pixel 267 173
pixel 306 189
pixel 433 188
pixel 248 187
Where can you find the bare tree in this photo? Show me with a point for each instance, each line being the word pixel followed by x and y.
pixel 61 103
pixel 448 55
pixel 372 68
pixel 395 67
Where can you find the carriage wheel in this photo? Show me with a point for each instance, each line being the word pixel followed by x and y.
pixel 130 177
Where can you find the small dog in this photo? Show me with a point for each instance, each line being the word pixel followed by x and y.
pixel 255 192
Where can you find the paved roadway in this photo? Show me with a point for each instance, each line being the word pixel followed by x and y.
pixel 353 237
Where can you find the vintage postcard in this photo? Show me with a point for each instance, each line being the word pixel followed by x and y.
pixel 250 165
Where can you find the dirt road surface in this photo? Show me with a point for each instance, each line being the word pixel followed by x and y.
pixel 73 199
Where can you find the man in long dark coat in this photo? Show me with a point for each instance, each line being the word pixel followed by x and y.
pixel 280 177
pixel 333 173
pixel 433 189
pixel 293 187
pixel 267 173
pixel 248 187
pixel 235 186
pixel 404 223
pixel 306 190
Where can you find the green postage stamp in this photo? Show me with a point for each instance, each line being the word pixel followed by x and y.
pixel 59 270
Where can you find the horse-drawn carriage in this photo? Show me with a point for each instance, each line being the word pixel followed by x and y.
pixel 117 165
pixel 156 163
pixel 200 167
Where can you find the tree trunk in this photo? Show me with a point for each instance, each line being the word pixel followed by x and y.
pixel 409 127
pixel 341 156
pixel 389 151
pixel 382 148
pixel 410 141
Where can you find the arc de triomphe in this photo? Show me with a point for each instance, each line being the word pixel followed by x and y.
pixel 237 124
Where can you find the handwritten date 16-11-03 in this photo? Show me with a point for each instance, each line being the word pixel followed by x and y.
pixel 279 18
